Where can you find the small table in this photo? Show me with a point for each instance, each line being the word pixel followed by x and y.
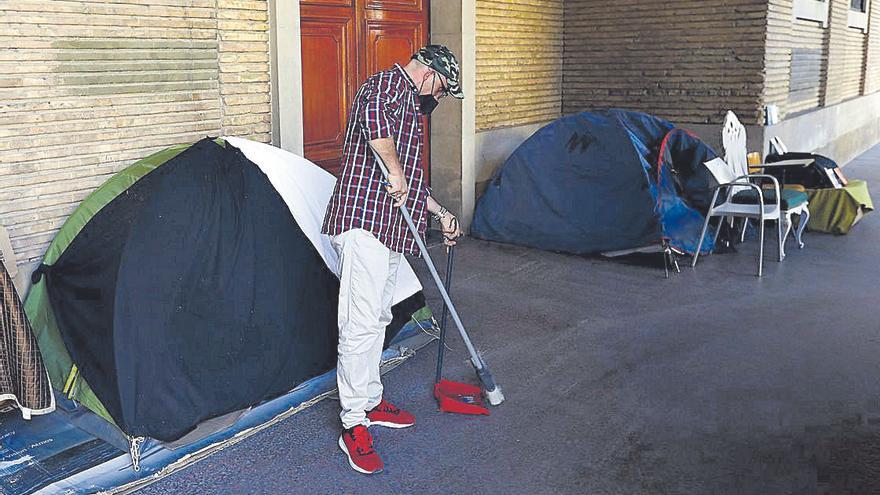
pixel 804 162
pixel 802 210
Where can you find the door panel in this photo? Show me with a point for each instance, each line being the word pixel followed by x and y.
pixel 391 43
pixel 331 3
pixel 404 5
pixel 328 61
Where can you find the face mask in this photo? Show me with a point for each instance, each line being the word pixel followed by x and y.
pixel 427 103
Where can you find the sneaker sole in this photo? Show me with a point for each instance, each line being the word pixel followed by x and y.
pixel 390 425
pixel 351 463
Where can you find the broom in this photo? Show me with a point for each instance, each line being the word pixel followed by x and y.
pixel 491 389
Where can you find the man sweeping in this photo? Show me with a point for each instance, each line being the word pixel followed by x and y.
pixel 370 235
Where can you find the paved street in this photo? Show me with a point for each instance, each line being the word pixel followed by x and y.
pixel 620 381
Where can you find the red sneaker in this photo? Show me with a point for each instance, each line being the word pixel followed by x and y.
pixel 387 414
pixel 357 443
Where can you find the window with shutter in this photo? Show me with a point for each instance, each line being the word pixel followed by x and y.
pixel 858 14
pixel 812 10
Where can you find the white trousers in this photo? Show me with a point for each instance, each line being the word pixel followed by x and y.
pixel 367 276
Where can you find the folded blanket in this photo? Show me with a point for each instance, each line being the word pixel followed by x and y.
pixel 836 210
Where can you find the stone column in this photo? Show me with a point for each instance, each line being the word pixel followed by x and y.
pixel 453 124
pixel 286 75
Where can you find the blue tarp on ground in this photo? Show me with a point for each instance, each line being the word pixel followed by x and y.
pixel 73 451
pixel 600 181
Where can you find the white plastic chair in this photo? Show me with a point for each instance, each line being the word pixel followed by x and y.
pixel 734 142
pixel 734 169
pixel 761 212
pixel 733 138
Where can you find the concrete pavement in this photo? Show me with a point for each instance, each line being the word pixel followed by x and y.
pixel 620 381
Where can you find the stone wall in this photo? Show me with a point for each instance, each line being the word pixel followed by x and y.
pixel 89 87
pixel 796 60
pixel 519 62
pixel 686 60
pixel 811 64
pixel 846 56
pixel 872 51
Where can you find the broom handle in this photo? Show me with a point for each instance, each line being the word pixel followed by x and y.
pixel 450 250
pixel 475 358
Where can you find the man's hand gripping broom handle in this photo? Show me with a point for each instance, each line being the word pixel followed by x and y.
pixel 491 389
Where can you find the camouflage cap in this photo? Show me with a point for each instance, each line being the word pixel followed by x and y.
pixel 441 59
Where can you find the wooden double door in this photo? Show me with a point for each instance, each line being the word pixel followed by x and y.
pixel 343 43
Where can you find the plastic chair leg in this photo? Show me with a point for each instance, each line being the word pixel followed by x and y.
pixel 702 236
pixel 761 246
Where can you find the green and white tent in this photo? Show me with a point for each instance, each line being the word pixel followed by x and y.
pixel 192 284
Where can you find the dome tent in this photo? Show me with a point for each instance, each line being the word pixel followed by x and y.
pixel 192 284
pixel 593 182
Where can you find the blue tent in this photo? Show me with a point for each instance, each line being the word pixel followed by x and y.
pixel 600 181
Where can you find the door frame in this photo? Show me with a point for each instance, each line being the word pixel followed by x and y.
pixel 285 49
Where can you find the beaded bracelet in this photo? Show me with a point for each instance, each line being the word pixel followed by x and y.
pixel 440 214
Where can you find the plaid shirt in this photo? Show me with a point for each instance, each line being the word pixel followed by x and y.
pixel 386 105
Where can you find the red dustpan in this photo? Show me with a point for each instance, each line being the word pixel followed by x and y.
pixel 460 398
pixel 454 397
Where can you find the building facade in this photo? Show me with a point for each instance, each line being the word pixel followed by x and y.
pixel 87 87
pixel 815 61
